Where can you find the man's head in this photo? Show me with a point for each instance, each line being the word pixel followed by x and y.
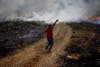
pixel 49 25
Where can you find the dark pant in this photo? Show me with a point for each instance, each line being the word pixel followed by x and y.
pixel 50 44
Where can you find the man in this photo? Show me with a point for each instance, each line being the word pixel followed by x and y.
pixel 49 34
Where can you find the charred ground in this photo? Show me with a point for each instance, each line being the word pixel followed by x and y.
pixel 17 34
pixel 84 49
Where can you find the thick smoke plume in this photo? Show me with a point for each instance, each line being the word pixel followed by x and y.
pixel 49 10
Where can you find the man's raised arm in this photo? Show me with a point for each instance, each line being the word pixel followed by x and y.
pixel 54 23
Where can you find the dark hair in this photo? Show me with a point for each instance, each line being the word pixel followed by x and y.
pixel 49 24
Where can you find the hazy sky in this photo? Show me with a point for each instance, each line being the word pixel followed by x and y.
pixel 65 10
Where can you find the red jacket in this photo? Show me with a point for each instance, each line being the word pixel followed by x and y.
pixel 49 32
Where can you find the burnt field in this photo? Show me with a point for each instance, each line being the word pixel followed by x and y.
pixel 17 34
pixel 82 51
pixel 84 48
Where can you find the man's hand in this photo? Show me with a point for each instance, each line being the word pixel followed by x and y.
pixel 57 20
pixel 55 23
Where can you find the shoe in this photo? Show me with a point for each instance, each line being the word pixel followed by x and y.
pixel 46 47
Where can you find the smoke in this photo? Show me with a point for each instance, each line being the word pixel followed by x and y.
pixel 49 10
pixel 73 10
pixel 11 9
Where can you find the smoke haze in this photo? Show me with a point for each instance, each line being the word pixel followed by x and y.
pixel 49 10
